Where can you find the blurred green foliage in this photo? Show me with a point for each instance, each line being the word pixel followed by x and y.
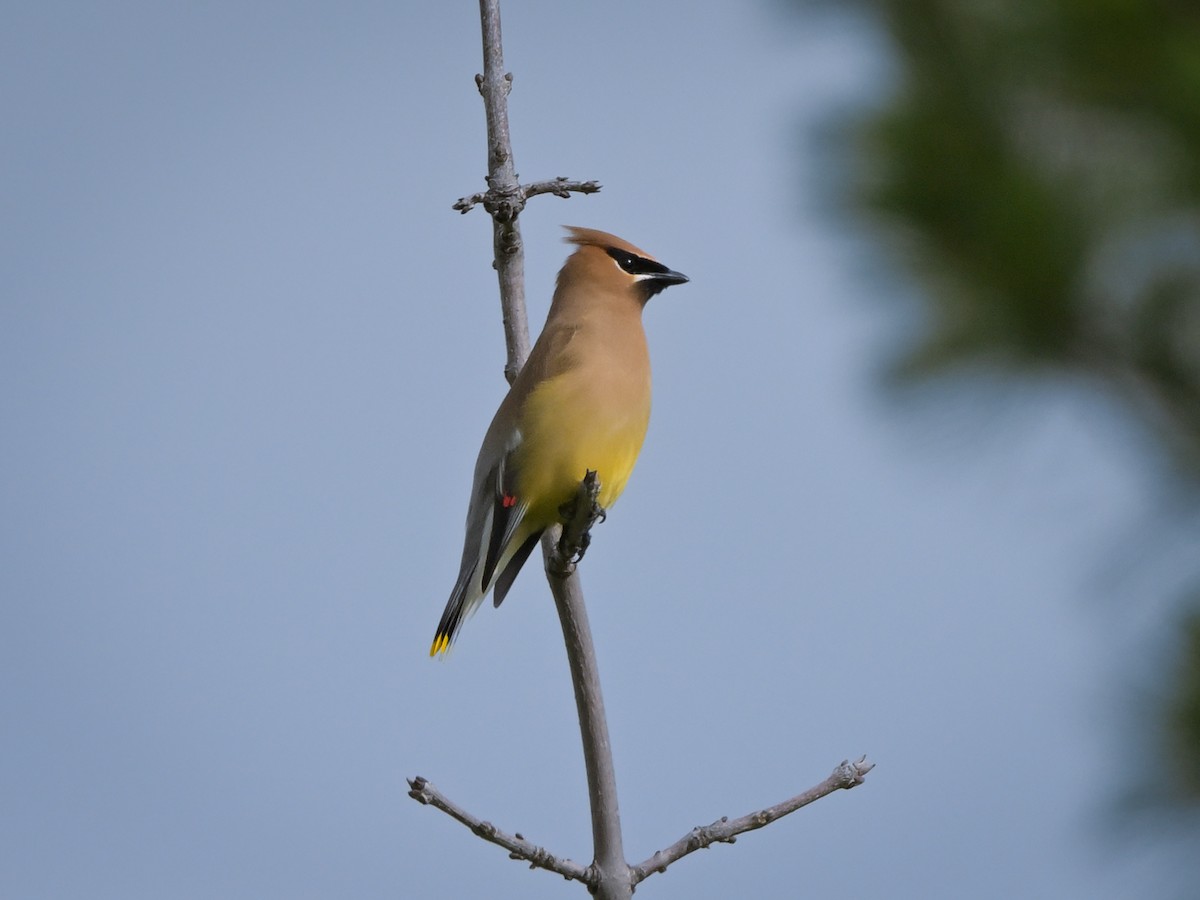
pixel 1040 160
pixel 1036 166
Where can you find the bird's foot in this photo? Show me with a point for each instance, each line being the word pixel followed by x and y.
pixel 596 515
pixel 579 514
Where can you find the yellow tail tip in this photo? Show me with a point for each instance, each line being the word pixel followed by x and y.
pixel 441 643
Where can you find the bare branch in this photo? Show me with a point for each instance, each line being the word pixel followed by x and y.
pixel 505 197
pixel 614 878
pixel 466 204
pixel 516 845
pixel 560 187
pixel 610 875
pixel 502 199
pixel 845 776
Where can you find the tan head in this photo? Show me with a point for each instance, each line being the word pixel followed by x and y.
pixel 607 264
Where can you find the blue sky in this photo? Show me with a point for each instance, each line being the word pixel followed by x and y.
pixel 247 353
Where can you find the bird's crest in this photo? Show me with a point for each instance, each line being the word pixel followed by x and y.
pixel 590 237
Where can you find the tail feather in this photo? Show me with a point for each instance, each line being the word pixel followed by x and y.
pixel 464 599
pixel 447 630
pixel 505 579
pixel 496 545
pixel 470 589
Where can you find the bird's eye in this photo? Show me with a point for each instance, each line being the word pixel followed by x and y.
pixel 626 261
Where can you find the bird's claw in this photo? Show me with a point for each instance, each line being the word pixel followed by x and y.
pixel 579 515
pixel 596 515
pixel 585 541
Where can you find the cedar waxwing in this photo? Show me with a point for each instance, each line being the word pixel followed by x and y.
pixel 581 402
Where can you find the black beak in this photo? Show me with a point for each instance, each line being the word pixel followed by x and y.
pixel 653 282
pixel 668 278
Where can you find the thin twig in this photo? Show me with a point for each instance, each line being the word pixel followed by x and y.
pixel 559 187
pixel 725 830
pixel 466 204
pixel 503 199
pixel 516 845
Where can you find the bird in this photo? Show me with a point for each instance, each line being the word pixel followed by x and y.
pixel 580 403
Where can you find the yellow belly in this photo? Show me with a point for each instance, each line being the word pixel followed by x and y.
pixel 572 424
